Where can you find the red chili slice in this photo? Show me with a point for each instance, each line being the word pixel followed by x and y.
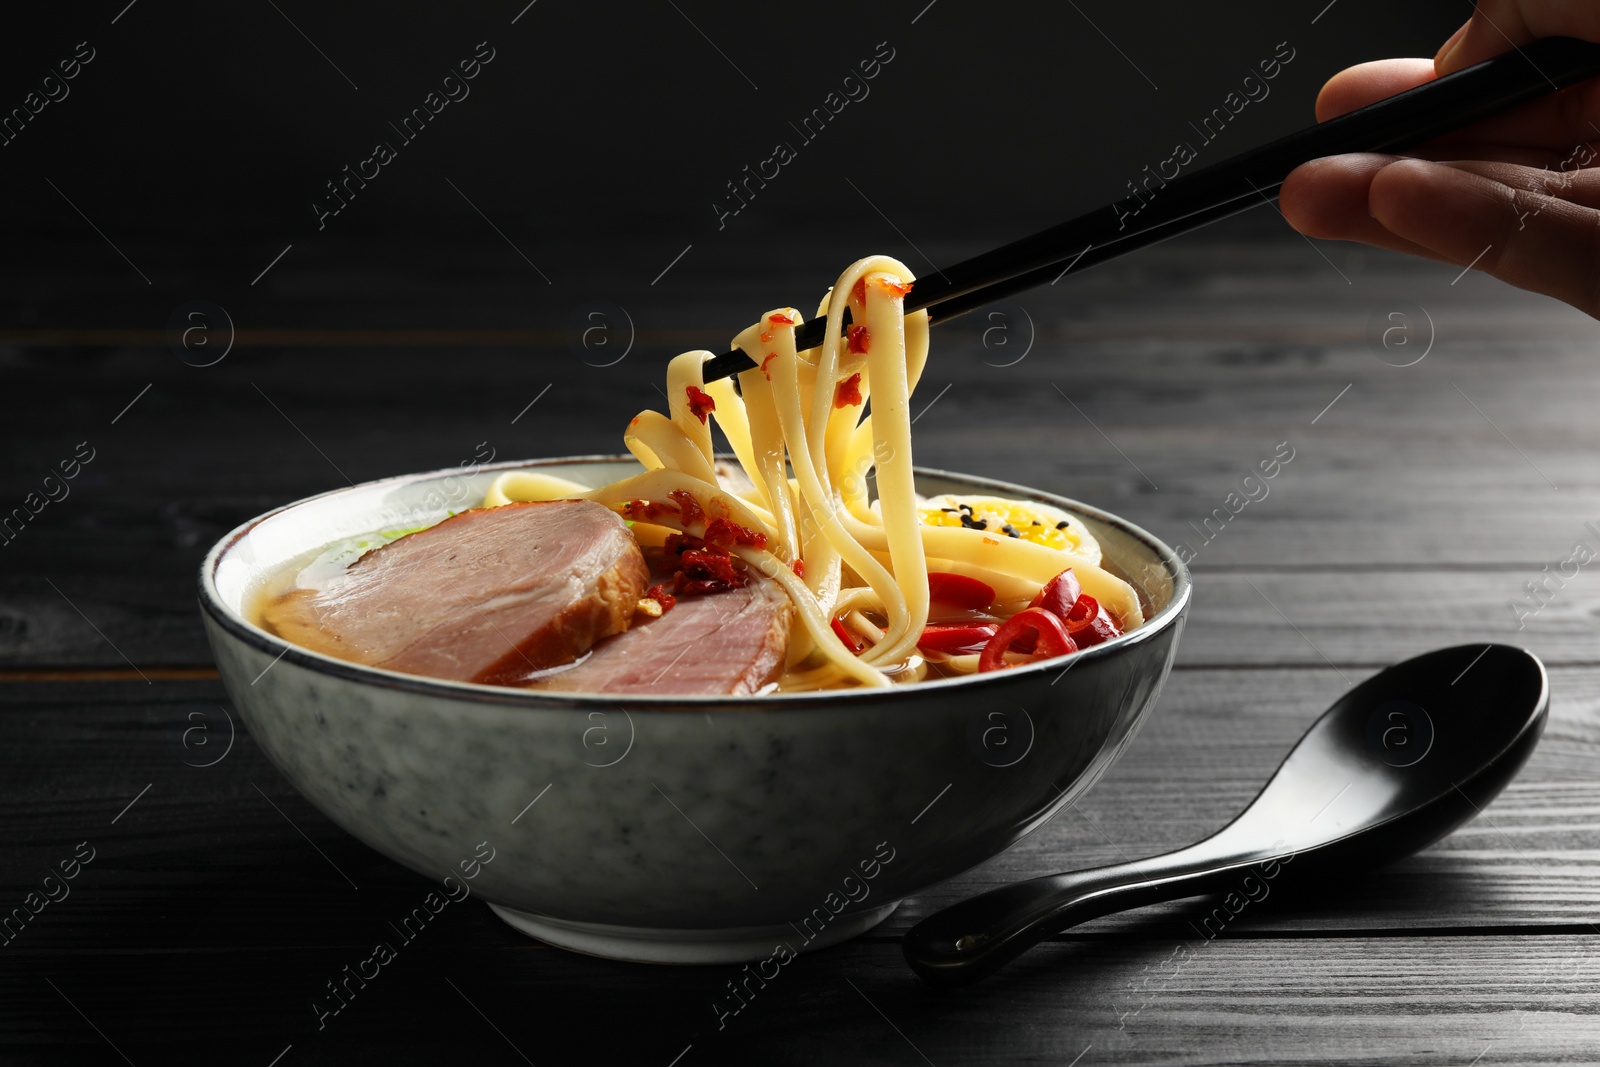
pixel 1089 624
pixel 1050 638
pixel 700 402
pixel 1059 595
pixel 959 591
pixel 956 640
pixel 848 394
pixel 844 635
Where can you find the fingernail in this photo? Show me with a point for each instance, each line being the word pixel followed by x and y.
pixel 1441 59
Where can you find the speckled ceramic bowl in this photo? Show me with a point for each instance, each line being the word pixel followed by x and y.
pixel 660 829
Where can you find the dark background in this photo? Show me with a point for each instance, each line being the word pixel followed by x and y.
pixel 599 138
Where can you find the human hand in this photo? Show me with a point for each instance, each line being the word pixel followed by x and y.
pixel 1516 195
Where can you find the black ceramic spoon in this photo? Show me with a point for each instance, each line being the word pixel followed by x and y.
pixel 1397 763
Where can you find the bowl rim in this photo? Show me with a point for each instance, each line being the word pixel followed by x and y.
pixel 235 624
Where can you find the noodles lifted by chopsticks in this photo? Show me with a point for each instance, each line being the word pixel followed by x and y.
pixel 798 427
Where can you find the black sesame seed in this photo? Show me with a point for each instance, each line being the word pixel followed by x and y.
pixel 1061 525
pixel 1012 530
pixel 952 511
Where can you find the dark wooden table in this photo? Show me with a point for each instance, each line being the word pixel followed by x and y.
pixel 1419 501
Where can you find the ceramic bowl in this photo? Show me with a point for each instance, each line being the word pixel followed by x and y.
pixel 669 830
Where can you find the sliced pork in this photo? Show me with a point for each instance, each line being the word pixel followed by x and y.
pixel 729 643
pixel 492 595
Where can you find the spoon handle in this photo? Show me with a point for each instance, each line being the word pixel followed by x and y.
pixel 969 940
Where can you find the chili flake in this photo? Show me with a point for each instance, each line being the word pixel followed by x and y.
pixel 690 513
pixel 848 394
pixel 642 510
pixel 724 533
pixel 700 403
pixel 704 568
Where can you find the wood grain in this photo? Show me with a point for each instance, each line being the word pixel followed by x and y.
pixel 449 996
pixel 1416 507
pixel 1241 350
pixel 209 838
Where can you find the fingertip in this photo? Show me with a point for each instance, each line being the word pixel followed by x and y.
pixel 1367 83
pixel 1327 198
pixel 1302 199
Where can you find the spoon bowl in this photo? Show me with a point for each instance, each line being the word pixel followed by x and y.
pixel 1394 765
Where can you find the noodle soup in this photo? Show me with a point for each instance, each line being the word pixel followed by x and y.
pixel 779 570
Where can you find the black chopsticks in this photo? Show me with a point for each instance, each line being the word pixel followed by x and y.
pixel 1193 200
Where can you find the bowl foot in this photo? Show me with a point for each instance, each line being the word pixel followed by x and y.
pixel 643 944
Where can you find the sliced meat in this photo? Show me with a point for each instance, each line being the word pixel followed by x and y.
pixel 730 643
pixel 491 595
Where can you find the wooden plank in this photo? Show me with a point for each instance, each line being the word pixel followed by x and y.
pixel 1401 470
pixel 1350 503
pixel 209 839
pixel 450 996
pixel 1377 617
pixel 1216 737
pixel 1401 473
